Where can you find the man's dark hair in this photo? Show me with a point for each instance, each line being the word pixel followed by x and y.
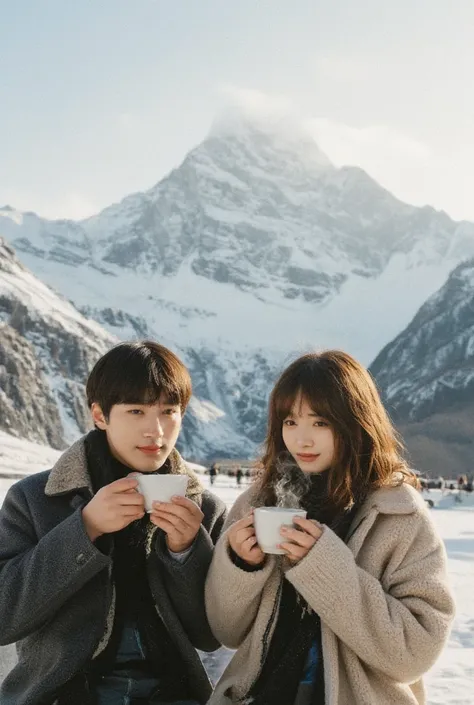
pixel 138 373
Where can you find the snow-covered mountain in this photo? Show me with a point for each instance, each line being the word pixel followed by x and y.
pixel 254 249
pixel 254 240
pixel 46 350
pixel 426 376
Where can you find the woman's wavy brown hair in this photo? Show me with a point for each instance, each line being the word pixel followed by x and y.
pixel 368 451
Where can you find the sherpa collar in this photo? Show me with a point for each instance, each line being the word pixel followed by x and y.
pixel 70 473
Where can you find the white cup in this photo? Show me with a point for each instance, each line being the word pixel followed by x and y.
pixel 268 521
pixel 160 488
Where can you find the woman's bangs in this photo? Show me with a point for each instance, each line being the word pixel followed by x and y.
pixel 302 387
pixel 284 400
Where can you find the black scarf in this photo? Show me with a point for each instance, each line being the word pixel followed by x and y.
pixel 298 627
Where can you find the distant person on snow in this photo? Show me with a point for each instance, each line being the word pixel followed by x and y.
pixel 359 607
pixel 213 472
pixel 462 480
pixel 106 601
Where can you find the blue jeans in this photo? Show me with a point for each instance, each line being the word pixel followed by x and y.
pixel 123 690
pixel 124 686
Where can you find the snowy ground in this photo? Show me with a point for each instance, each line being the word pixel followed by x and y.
pixel 19 457
pixel 451 681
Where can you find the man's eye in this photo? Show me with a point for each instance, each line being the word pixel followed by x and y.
pixel 135 412
pixel 170 412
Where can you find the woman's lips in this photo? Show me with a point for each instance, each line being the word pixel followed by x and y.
pixel 150 450
pixel 307 457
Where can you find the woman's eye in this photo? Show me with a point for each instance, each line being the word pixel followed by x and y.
pixel 321 424
pixel 289 422
pixel 170 412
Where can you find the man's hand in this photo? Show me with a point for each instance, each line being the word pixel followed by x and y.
pixel 114 507
pixel 299 542
pixel 180 519
pixel 243 541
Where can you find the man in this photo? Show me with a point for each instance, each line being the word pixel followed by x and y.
pixel 105 601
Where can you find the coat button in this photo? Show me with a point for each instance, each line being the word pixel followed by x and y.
pixel 80 559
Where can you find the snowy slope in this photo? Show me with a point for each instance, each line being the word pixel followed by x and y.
pixel 19 457
pixel 430 364
pixel 426 375
pixel 46 349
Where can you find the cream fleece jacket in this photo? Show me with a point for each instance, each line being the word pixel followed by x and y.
pixel 383 598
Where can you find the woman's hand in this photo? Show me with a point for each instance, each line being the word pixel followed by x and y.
pixel 243 541
pixel 300 541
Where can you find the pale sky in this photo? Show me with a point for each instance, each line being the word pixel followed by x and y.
pixel 101 98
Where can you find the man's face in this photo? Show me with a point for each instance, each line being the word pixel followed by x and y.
pixel 141 436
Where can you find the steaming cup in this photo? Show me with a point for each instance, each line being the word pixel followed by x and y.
pixel 268 521
pixel 160 488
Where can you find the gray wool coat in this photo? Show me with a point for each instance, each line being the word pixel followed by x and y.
pixel 57 596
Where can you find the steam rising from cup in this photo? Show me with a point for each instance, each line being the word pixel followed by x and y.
pixel 292 483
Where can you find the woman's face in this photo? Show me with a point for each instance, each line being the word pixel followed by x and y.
pixel 308 438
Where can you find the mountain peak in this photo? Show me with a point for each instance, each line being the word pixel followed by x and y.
pixel 256 128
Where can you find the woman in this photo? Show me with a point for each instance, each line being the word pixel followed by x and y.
pixel 359 608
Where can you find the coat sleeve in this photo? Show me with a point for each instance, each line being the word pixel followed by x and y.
pixel 398 624
pixel 184 581
pixel 233 594
pixel 39 576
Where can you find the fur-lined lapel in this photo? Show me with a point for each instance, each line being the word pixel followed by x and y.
pixel 70 472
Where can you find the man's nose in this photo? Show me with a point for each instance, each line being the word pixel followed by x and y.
pixel 153 427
